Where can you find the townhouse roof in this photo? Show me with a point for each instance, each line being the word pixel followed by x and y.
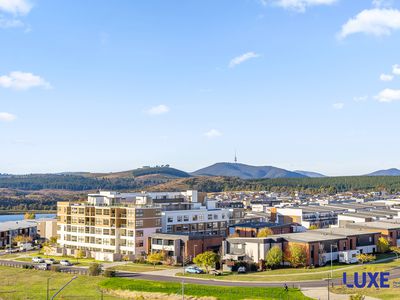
pixel 376 225
pixel 320 235
pixel 262 225
pixel 14 225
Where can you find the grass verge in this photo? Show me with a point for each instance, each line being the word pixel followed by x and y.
pixel 195 290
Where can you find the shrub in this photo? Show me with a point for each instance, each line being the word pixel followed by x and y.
pixel 357 297
pixel 364 258
pixel 27 267
pixel 383 245
pixel 94 269
pixel 109 273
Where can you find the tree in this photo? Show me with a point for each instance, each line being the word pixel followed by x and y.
pixel 364 258
pixel 296 255
pixel 313 227
pixel 29 216
pixel 22 239
pixel 383 245
pixel 94 269
pixel 155 258
pixel 206 259
pixel 53 240
pixel 264 232
pixel 274 257
pixel 79 254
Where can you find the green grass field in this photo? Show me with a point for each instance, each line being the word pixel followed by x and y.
pixel 18 284
pixel 80 262
pixel 384 294
pixel 220 293
pixel 21 284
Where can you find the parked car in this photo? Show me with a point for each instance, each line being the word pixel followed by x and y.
pixel 241 270
pixel 194 270
pixel 38 260
pixel 42 266
pixel 65 262
pixel 215 273
pixel 50 261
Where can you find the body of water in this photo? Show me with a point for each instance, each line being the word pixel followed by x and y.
pixel 5 218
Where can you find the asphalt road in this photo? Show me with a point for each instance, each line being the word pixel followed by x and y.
pixel 394 274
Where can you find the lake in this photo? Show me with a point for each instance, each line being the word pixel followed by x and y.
pixel 5 218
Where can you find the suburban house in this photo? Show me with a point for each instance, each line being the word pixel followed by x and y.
pixel 318 244
pixel 310 215
pixel 251 229
pixel 182 246
pixel 389 229
pixel 9 230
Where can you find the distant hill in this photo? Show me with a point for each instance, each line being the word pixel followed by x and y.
pixel 246 171
pixel 388 172
pixel 310 174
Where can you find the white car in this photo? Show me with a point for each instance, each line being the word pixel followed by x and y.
pixel 50 261
pixel 38 259
pixel 65 262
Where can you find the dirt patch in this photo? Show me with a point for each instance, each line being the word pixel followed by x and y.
pixel 132 295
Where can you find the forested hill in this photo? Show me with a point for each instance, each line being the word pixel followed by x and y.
pixel 71 182
pixel 329 185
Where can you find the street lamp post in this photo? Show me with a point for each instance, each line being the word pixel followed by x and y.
pixel 48 289
pixel 332 259
pixel 72 279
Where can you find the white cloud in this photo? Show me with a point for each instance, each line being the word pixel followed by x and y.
pixel 396 69
pixel 338 105
pixel 375 21
pixel 298 5
pixel 16 7
pixel 360 98
pixel 10 23
pixel 242 58
pixel 7 117
pixel 158 110
pixel 386 77
pixel 23 81
pixel 213 133
pixel 382 3
pixel 388 95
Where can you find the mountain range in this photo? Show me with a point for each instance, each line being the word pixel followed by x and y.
pixel 246 171
pixel 388 172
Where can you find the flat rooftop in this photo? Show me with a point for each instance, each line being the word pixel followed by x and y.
pixel 376 225
pixel 14 225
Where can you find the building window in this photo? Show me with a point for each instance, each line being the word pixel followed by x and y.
pixel 194 218
pixel 170 219
pixel 201 218
pixel 209 217
pixel 139 223
pixel 215 217
pixel 139 244
pixel 185 218
pixel 179 219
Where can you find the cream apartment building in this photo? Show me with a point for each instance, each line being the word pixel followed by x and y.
pixel 108 226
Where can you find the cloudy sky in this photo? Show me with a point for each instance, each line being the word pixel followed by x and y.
pixel 113 85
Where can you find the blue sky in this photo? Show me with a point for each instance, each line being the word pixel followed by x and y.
pixel 101 86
